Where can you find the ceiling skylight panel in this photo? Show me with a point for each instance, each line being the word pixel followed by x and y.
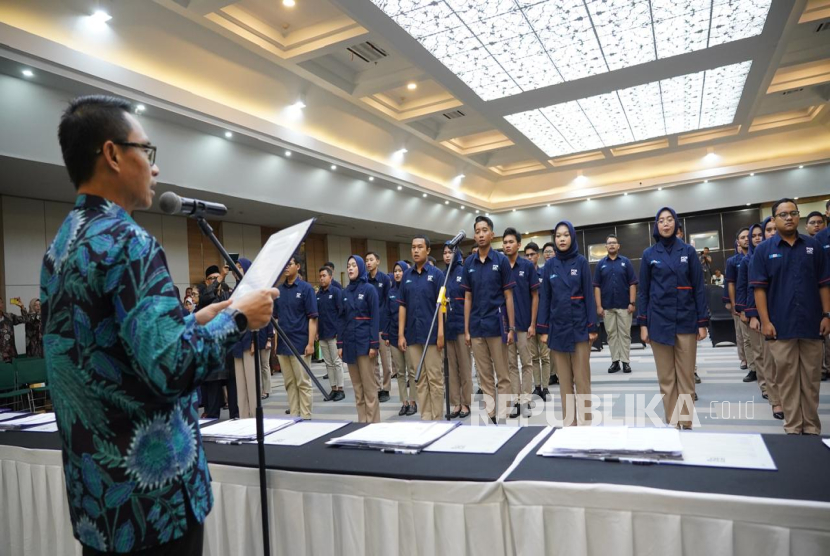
pixel 395 7
pixel 608 118
pixel 624 31
pixel 501 27
pixel 566 33
pixel 433 18
pixel 472 10
pixel 644 110
pixel 722 93
pixel 450 43
pixel 680 27
pixel 540 131
pixel 574 126
pixel 737 19
pixel 526 61
pixel 681 102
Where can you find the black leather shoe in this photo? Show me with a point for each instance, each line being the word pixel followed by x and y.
pixel 403 410
pixel 537 392
pixel 825 377
pixel 554 379
pixel 744 366
pixel 778 415
pixel 455 414
pixel 694 396
pixel 626 368
pixel 464 413
pixel 479 392
pixel 413 409
pixel 332 396
pixel 697 378
pixel 517 410
pixel 750 377
pixel 546 395
pixel 765 396
pixel 383 396
pixel 615 367
pixel 325 377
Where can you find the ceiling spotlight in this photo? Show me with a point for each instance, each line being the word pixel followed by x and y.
pixel 659 189
pixel 299 105
pixel 460 177
pixel 625 194
pixel 371 178
pixel 446 202
pixel 580 179
pixel 487 214
pixel 402 151
pixel 425 195
pixel 588 199
pixel 795 198
pixel 705 181
pixel 548 204
pixel 333 167
pixel 710 157
pixel 288 153
pixel 752 173
pixel 748 204
pixel 140 108
pixel 28 73
pixel 411 86
pixel 514 210
pixel 100 16
pixel 228 135
pixel 801 166
pixel 400 188
pixel 462 207
pixel 476 212
pixel 289 3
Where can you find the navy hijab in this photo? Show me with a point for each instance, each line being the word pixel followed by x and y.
pixel 403 266
pixel 362 275
pixel 573 250
pixel 667 242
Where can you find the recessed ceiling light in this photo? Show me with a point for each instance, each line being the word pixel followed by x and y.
pixel 752 173
pixel 711 157
pixel 476 212
pixel 705 181
pixel 580 179
pixel 28 73
pixel 659 189
pixel 446 202
pixel 625 194
pixel 299 105
pixel 333 167
pixel 100 16
pixel 287 153
pixel 371 178
pixel 801 166
pixel 503 48
pixel 228 135
pixel 514 210
pixel 462 207
pixel 460 177
pixel 411 86
pixel 425 195
pixel 795 198
pixel 140 108
pixel 400 188
pixel 289 3
pixel 588 199
pixel 670 106
pixel 487 214
pixel 548 204
pixel 403 150
pixel 748 204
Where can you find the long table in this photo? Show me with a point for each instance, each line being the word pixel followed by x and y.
pixel 325 500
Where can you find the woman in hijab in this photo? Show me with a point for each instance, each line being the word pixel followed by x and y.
pixel 358 341
pixel 673 315
pixel 756 236
pixel 458 354
pixel 764 364
pixel 567 322
pixel 406 375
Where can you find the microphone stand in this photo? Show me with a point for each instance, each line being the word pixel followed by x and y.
pixel 207 230
pixel 439 305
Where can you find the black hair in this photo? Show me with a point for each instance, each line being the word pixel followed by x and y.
pixel 549 244
pixel 532 246
pixel 742 230
pixel 609 236
pixel 298 260
pixel 88 123
pixel 815 213
pixel 325 269
pixel 512 232
pixel 431 259
pixel 483 219
pixel 372 253
pixel 329 264
pixel 779 202
pixel 407 261
pixel 425 238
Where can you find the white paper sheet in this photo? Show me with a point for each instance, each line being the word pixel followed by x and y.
pixel 38 419
pixel 203 422
pixel 826 442
pixel 269 264
pixel 413 435
pixel 711 449
pixel 243 429
pixel 12 415
pixel 467 439
pixel 303 432
pixel 49 427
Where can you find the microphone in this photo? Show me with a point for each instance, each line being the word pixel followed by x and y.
pixel 171 203
pixel 453 242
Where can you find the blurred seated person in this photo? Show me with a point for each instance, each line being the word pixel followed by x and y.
pixel 717 278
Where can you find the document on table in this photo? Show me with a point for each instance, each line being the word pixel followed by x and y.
pixel 826 442
pixel 303 432
pixel 410 437
pixel 614 444
pixel 12 415
pixel 239 430
pixel 468 439
pixel 269 264
pixel 48 427
pixel 203 422
pixel 27 420
pixel 712 449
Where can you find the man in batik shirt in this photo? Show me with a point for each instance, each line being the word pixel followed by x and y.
pixel 7 323
pixel 123 359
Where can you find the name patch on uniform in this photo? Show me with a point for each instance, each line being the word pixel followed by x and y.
pixel 654 262
pixel 495 267
pixel 775 255
pixel 360 296
pixel 429 278
pixel 521 273
pixel 331 297
pixel 458 278
pixel 574 272
pixel 623 265
pixel 552 276
pixel 684 259
pixel 809 250
pixel 299 295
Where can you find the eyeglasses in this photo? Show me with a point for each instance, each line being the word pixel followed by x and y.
pixel 149 150
pixel 783 215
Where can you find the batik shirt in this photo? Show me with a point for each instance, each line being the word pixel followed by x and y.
pixel 123 361
pixel 8 321
pixel 34 334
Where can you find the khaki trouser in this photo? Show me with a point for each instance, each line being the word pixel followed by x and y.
pixel 741 339
pixel 770 376
pixel 618 328
pixel 798 377
pixel 297 385
pixel 574 371
pixel 431 386
pixel 334 365
pixel 757 357
pixel 540 353
pixel 676 375
pixel 384 380
pixel 265 370
pixel 406 375
pixel 365 385
pixel 461 372
pixel 493 375
pixel 245 384
pixel 521 383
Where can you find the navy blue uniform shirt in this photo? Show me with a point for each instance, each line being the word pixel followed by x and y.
pixel 419 294
pixel 382 283
pixel 296 304
pixel 733 266
pixel 527 280
pixel 792 276
pixel 487 282
pixel 329 304
pixel 614 277
pixel 359 329
pixel 393 308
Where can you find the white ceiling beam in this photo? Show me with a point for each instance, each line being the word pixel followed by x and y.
pixel 376 80
pixel 461 127
pixel 204 7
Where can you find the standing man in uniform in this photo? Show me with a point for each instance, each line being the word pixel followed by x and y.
pixel 733 266
pixel 382 282
pixel 488 285
pixel 615 292
pixel 823 237
pixel 539 350
pixel 525 307
pixel 329 306
pixel 815 223
pixel 791 277
pixel 419 294
pixel 296 310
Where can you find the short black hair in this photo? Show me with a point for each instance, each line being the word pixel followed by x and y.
pixel 431 259
pixel 609 236
pixel 325 269
pixel 779 202
pixel 512 232
pixel 88 123
pixel 407 261
pixel 532 246
pixel 425 238
pixel 372 253
pixel 483 219
pixel 298 259
pixel 549 244
pixel 815 213
pixel 679 226
pixel 742 230
pixel 329 264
